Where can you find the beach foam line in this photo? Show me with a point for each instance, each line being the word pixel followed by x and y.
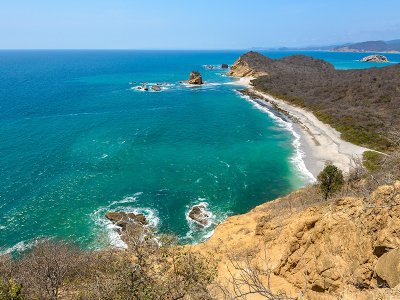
pixel 298 157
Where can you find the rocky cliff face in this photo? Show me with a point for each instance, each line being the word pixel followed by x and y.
pixel 195 78
pixel 327 250
pixel 254 64
pixel 251 64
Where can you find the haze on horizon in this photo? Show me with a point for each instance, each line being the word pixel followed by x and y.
pixel 176 24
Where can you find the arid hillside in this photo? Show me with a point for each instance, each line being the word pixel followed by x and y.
pixel 362 104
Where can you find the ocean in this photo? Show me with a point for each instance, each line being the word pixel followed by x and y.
pixel 78 139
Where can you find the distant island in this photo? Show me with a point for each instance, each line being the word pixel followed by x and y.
pixel 392 46
pixel 371 46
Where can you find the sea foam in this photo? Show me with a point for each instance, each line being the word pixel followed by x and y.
pixel 298 157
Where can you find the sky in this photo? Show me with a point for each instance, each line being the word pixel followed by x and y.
pixel 185 24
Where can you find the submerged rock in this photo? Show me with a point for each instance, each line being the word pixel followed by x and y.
pixel 375 58
pixel 195 78
pixel 123 219
pixel 200 215
pixel 156 88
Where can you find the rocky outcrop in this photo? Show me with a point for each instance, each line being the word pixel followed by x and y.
pixel 333 249
pixel 254 64
pixel 251 64
pixel 195 78
pixel 375 58
pixel 224 66
pixel 156 88
pixel 123 219
pixel 200 215
pixel 388 268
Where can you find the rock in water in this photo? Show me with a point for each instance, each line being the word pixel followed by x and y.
pixel 375 58
pixel 123 219
pixel 156 88
pixel 224 66
pixel 195 78
pixel 199 214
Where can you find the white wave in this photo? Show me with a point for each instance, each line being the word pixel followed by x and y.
pixel 298 158
pixel 104 156
pixel 114 238
pixel 212 67
pixel 22 246
pixel 225 163
pixel 199 233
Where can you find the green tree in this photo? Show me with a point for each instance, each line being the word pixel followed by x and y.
pixel 330 180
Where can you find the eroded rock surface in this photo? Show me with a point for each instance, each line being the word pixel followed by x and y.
pixel 123 219
pixel 375 58
pixel 200 215
pixel 331 248
pixel 195 78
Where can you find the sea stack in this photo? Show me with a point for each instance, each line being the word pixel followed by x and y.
pixel 195 78
pixel 375 58
pixel 200 215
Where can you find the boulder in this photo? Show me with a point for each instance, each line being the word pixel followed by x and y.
pixel 123 219
pixel 195 78
pixel 156 88
pixel 375 58
pixel 388 268
pixel 224 66
pixel 199 214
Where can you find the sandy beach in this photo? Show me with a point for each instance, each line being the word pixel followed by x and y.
pixel 319 141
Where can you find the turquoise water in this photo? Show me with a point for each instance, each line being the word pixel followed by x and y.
pixel 77 140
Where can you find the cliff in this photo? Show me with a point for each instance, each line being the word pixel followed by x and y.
pixel 324 250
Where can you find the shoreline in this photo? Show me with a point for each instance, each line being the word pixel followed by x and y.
pixel 320 142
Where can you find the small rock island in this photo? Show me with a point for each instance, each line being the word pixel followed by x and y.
pixel 195 78
pixel 124 220
pixel 375 58
pixel 200 215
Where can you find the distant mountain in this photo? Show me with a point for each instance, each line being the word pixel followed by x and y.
pixel 370 46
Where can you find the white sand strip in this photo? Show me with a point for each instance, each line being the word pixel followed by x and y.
pixel 320 141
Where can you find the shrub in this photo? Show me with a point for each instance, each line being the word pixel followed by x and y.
pixel 330 180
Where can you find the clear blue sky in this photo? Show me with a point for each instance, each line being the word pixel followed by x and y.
pixel 185 24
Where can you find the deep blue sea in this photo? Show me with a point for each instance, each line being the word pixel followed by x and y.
pixel 77 139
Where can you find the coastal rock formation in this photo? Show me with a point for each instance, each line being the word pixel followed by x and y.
pixel 224 66
pixel 156 88
pixel 250 64
pixel 375 58
pixel 388 268
pixel 199 214
pixel 195 78
pixel 123 219
pixel 325 249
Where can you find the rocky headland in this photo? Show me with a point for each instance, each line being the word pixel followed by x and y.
pixel 360 104
pixel 300 246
